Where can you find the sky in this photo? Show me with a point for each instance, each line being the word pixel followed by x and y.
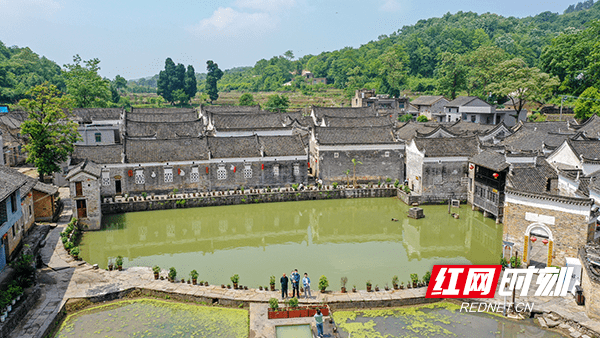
pixel 132 38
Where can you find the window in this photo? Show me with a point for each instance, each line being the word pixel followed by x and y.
pixel 168 175
pixel 81 209
pixel 336 155
pixel 194 175
pixel 78 189
pixel 139 177
pixel 13 230
pixel 275 170
pixel 386 154
pixel 473 118
pixel 105 178
pixel 30 213
pixel 296 169
pixel 98 137
pixel 221 173
pixel 247 171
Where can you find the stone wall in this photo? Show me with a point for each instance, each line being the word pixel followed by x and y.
pixel 91 194
pixel 236 197
pixel 591 288
pixel 570 230
pixel 375 165
pixel 408 198
pixel 43 206
pixel 442 180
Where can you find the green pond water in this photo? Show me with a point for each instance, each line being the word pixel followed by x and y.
pixel 434 320
pixel 155 318
pixel 294 331
pixel 355 238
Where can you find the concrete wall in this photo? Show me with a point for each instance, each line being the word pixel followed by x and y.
pixel 414 167
pixel 570 230
pixel 375 165
pixel 591 288
pixel 88 135
pixel 440 180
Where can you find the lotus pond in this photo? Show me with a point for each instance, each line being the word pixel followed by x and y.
pixel 155 318
pixel 433 320
pixel 355 238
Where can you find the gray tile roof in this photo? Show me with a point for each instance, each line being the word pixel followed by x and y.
pixel 228 147
pixel 162 115
pixel 591 127
pixel 409 130
pixel 426 100
pixel 588 149
pixel 101 154
pixel 251 121
pixel 11 180
pixel 470 127
pixel 10 121
pixel 491 160
pixel 230 109
pixel 85 166
pixel 181 149
pixel 536 136
pixel 87 115
pixel 320 112
pixel 457 146
pixel 282 145
pixel 460 101
pixel 532 179
pixel 352 122
pixel 363 135
pixel 165 130
pixel 26 188
pixel 45 188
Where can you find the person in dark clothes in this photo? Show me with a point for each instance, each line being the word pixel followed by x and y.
pixel 284 286
pixel 295 276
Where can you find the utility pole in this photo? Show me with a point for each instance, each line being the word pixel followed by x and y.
pixel 561 106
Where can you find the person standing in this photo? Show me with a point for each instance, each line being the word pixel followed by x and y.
pixel 295 284
pixel 319 321
pixel 306 284
pixel 284 286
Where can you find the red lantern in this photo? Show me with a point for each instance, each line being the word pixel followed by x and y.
pixel 533 239
pixel 496 175
pixel 178 171
pixel 130 172
pixel 262 166
pixel 207 170
pixel 545 241
pixel 234 168
pixel 471 167
pixel 308 165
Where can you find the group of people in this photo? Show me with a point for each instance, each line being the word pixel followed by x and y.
pixel 295 280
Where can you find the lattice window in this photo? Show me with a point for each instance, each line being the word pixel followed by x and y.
pixel 168 175
pixel 386 154
pixel 296 169
pixel 105 178
pixel 194 175
pixel 221 173
pixel 139 177
pixel 276 170
pixel 247 171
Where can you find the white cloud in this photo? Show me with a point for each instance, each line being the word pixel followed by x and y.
pixel 29 8
pixel 229 22
pixel 390 6
pixel 269 6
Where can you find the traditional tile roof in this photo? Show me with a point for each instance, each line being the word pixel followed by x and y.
pixel 26 188
pixel 587 149
pixel 101 154
pixel 165 130
pixel 444 147
pixel 11 180
pixel 409 130
pixel 536 136
pixel 440 131
pixel 352 122
pixel 180 149
pixel 19 115
pixel 282 145
pixel 9 121
pixel 301 118
pixel 426 100
pixel 45 188
pixel 470 127
pixel 491 160
pixel 228 147
pixel 320 112
pixel 162 115
pixel 460 101
pixel 87 115
pixel 532 179
pixel 86 166
pixel 250 121
pixel 230 109
pixel 590 128
pixel 363 135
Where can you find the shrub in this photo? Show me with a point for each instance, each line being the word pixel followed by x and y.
pixel 395 280
pixel 295 186
pixel 75 251
pixel 343 281
pixel 396 183
pixel 405 118
pixel 119 261
pixel 323 283
pixel 156 269
pixel 272 280
pixel 293 302
pixel 68 246
pixel 334 184
pixel 369 283
pixel 144 194
pixel 388 180
pixel 414 277
pixel 194 274
pixel 273 303
pixel 235 278
pixel 427 277
pixel 515 262
pixel 422 118
pixel 172 273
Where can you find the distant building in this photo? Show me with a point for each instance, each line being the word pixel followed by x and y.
pixel 382 102
pixel 311 79
pixel 487 180
pixel 431 107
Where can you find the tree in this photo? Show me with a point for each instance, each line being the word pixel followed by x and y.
pixel 422 118
pixel 166 78
pixel 181 96
pixel 588 104
pixel 354 163
pixel 277 102
pixel 289 55
pixel 51 134
pixel 212 77
pixel 189 85
pixel 120 82
pixel 522 84
pixel 394 69
pixel 405 118
pixel 452 74
pixel 84 85
pixel 247 100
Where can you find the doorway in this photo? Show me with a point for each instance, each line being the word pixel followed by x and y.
pixel 118 189
pixel 81 209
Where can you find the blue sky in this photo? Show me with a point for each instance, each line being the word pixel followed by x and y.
pixel 134 37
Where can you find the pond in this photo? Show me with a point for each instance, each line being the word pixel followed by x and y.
pixel 355 238
pixel 434 320
pixel 155 318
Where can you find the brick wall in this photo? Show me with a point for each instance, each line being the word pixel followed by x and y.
pixel 591 289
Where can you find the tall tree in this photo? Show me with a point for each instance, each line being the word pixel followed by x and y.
pixel 588 104
pixel 166 80
pixel 277 102
pixel 51 134
pixel 120 82
pixel 84 84
pixel 394 68
pixel 212 77
pixel 452 74
pixel 190 85
pixel 246 99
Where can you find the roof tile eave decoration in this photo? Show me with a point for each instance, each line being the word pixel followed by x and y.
pixel 162 115
pixel 550 197
pixel 355 136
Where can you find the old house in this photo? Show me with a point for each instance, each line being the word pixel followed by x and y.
pixel 431 107
pixel 319 113
pixel 437 168
pixel 84 185
pixel 487 179
pixel 247 124
pixel 333 149
pixel 98 125
pixel 12 151
pixel 381 102
pixel 471 109
pixel 45 207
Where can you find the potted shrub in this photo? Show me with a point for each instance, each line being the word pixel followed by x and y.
pixel 260 288
pixel 368 286
pixel 272 282
pixel 68 246
pixel 75 252
pixel 172 274
pixel 343 282
pixel 183 281
pixel 156 270
pixel 401 285
pixel 205 283
pixel 414 278
pixel 395 282
pixel 229 286
pixel 427 277
pixel 293 310
pixel 110 265
pixel 376 288
pixel 386 287
pixel 323 283
pixel 235 279
pixel 408 284
pixel 119 263
pixel 194 275
pixel 354 288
